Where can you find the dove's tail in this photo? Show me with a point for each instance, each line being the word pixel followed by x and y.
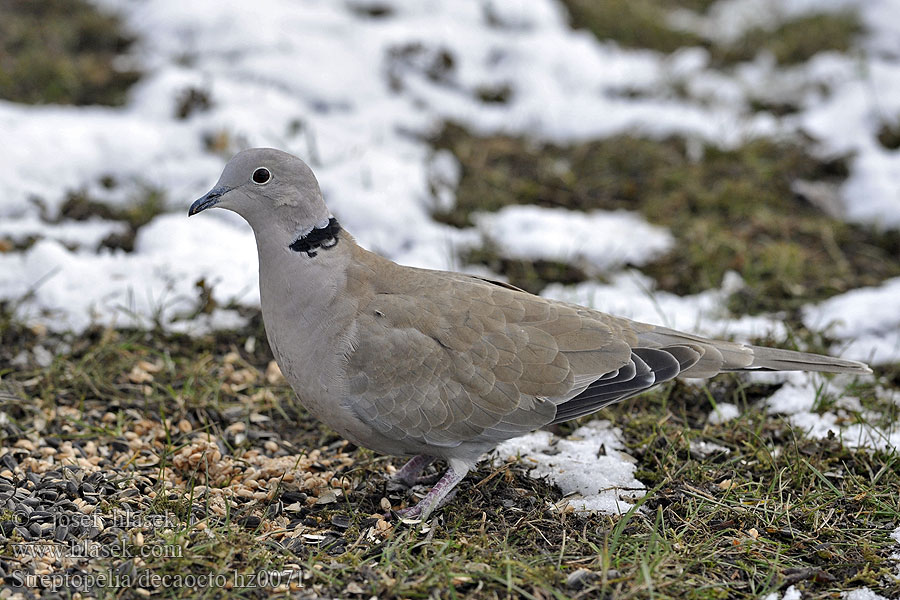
pixel 717 356
pixel 659 354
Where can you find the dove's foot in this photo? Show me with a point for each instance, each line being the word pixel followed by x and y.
pixel 408 475
pixel 439 494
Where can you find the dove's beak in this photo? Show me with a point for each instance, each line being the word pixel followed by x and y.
pixel 208 201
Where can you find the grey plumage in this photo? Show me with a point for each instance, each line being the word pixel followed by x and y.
pixel 432 364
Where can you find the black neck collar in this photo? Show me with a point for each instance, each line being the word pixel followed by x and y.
pixel 324 238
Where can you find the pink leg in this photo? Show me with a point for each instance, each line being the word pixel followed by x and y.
pixel 438 494
pixel 409 473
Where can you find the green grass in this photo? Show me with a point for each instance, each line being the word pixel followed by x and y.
pixel 631 23
pixel 728 210
pixel 61 52
pixel 795 41
pixel 645 24
pixel 778 510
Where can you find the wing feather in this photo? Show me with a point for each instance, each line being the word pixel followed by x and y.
pixel 459 360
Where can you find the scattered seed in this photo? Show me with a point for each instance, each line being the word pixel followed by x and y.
pixel 340 521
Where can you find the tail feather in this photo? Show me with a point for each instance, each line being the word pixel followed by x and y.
pixel 775 359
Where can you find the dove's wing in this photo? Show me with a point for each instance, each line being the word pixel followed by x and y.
pixel 446 358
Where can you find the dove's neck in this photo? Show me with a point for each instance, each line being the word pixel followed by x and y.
pixel 303 275
pixel 307 313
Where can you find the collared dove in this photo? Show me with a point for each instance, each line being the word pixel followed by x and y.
pixel 435 364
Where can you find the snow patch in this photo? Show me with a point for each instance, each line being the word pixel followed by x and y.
pixel 722 413
pixel 862 594
pixel 590 466
pixel 792 593
pixel 599 240
pixel 157 283
pixel 866 320
pixel 800 399
pixel 727 20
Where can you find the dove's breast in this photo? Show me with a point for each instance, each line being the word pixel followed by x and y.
pixel 310 311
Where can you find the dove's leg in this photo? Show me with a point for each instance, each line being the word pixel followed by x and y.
pixel 409 473
pixel 438 494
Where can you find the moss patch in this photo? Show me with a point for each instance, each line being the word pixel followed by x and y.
pixel 729 210
pixel 795 41
pixel 61 52
pixel 631 23
pixel 645 24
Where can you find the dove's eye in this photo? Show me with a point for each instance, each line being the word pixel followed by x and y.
pixel 261 176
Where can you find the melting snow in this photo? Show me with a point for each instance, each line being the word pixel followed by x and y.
pixel 79 287
pixel 723 412
pixel 862 594
pixel 592 239
pixel 867 320
pixel 792 593
pixel 802 395
pixel 589 466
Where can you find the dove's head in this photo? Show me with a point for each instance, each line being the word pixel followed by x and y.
pixel 274 191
